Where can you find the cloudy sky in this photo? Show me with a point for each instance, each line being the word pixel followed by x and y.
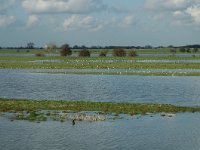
pixel 100 22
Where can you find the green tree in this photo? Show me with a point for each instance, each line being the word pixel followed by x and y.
pixel 30 45
pixel 65 50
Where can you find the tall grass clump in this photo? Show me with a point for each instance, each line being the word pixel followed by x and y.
pixel 84 53
pixel 132 53
pixel 119 52
pixel 103 53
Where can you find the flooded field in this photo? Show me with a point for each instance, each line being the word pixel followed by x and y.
pixel 30 84
pixel 154 133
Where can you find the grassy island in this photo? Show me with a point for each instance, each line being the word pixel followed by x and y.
pixel 7 105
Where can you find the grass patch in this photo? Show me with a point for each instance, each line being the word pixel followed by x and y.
pixel 97 65
pixel 7 105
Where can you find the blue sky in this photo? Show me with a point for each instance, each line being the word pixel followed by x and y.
pixel 100 22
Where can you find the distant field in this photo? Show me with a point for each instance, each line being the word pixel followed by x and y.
pixel 96 65
pixel 58 62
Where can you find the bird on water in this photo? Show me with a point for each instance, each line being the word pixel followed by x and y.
pixel 73 122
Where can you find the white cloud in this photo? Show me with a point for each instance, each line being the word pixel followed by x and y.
pixel 129 20
pixel 126 21
pixel 81 22
pixel 6 20
pixel 6 4
pixel 90 23
pixel 32 20
pixel 166 4
pixel 194 12
pixel 158 17
pixel 68 6
pixel 183 12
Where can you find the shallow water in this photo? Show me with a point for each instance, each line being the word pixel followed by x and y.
pixel 153 133
pixel 151 89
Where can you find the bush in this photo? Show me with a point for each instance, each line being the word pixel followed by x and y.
pixel 188 50
pixel 172 51
pixel 103 53
pixel 66 50
pixel 182 50
pixel 132 53
pixel 39 55
pixel 195 50
pixel 119 52
pixel 84 53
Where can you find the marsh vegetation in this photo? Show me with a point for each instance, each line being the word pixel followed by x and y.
pixel 7 105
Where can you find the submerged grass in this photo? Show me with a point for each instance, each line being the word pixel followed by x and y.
pixel 27 62
pixel 99 65
pixel 145 73
pixel 7 105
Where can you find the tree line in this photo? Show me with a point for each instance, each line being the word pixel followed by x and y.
pixel 31 45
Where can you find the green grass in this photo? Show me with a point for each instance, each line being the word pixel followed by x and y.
pixel 99 65
pixel 24 62
pixel 32 58
pixel 108 107
pixel 27 51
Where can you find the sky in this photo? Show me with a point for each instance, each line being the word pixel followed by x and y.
pixel 100 22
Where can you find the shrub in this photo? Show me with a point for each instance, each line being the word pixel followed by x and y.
pixel 132 53
pixel 188 50
pixel 39 55
pixel 195 50
pixel 182 50
pixel 103 53
pixel 84 53
pixel 173 51
pixel 119 52
pixel 65 50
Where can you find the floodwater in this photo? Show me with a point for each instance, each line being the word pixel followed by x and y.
pixel 152 132
pixel 146 133
pixel 145 89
